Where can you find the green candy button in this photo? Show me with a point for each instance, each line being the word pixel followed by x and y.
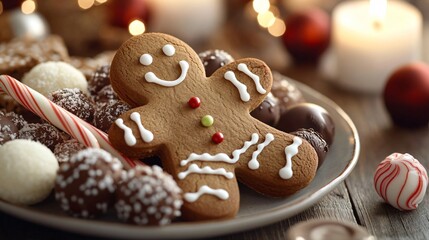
pixel 207 121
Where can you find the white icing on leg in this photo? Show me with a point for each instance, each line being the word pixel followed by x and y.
pixel 290 151
pixel 194 168
pixel 253 163
pixel 130 140
pixel 146 135
pixel 220 193
pixel 222 157
pixel 152 78
pixel 242 89
pixel 242 67
pixel 168 50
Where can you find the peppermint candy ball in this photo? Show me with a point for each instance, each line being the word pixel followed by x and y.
pixel 401 181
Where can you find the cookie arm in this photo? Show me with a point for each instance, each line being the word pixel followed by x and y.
pixel 282 164
pixel 249 79
pixel 133 136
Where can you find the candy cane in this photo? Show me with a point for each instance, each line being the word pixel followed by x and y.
pixel 82 131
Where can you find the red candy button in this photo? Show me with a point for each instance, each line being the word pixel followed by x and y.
pixel 217 137
pixel 194 102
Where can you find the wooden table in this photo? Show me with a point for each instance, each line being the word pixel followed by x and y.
pixel 353 201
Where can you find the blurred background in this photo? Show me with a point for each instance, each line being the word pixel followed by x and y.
pixel 283 33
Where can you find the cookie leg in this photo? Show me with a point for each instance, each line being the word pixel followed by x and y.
pixel 281 165
pixel 209 192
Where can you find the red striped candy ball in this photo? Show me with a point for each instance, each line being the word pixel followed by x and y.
pixel 401 181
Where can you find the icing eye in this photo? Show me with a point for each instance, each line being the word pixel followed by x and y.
pixel 146 59
pixel 168 50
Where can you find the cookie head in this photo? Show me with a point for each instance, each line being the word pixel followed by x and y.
pixel 152 63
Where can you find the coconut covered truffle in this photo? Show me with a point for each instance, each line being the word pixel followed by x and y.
pixel 27 172
pixel 74 101
pixel 148 196
pixel 51 76
pixel 107 112
pixel 65 150
pixel 10 124
pixel 99 80
pixel 44 133
pixel 85 186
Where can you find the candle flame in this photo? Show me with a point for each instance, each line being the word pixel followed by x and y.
pixel 136 27
pixel 377 10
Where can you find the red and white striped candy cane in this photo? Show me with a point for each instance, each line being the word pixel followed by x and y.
pixel 82 131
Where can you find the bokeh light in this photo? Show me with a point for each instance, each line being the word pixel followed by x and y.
pixel 278 28
pixel 266 19
pixel 85 4
pixel 136 27
pixel 261 6
pixel 28 6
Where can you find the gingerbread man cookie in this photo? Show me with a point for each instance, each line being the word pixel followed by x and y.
pixel 201 127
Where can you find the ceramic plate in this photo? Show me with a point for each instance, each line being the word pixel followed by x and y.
pixel 255 210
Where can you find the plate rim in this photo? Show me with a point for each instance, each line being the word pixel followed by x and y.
pixel 211 228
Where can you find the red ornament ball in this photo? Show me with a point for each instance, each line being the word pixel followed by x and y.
pixel 406 95
pixel 194 102
pixel 124 12
pixel 217 137
pixel 307 35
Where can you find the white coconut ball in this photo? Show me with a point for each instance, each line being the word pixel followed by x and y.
pixel 48 77
pixel 27 172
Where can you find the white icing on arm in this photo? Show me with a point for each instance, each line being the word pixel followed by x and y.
pixel 130 140
pixel 194 168
pixel 146 135
pixel 243 68
pixel 253 163
pixel 152 78
pixel 290 151
pixel 168 50
pixel 222 157
pixel 242 89
pixel 220 193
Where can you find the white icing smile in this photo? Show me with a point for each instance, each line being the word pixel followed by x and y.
pixel 152 78
pixel 169 50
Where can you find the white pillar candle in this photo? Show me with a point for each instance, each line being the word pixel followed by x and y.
pixel 189 20
pixel 370 44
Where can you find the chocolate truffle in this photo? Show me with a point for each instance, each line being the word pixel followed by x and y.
pixel 44 133
pixel 315 140
pixel 148 196
pixel 268 111
pixel 214 59
pixel 308 115
pixel 27 172
pixel 99 80
pixel 74 101
pixel 10 124
pixel 85 186
pixel 286 92
pixel 63 151
pixel 108 112
pixel 105 94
